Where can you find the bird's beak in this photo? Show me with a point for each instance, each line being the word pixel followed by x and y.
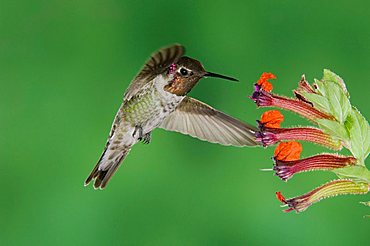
pixel 215 75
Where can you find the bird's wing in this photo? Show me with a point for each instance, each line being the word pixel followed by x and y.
pixel 200 120
pixel 156 65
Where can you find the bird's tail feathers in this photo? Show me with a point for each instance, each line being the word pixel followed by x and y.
pixel 107 165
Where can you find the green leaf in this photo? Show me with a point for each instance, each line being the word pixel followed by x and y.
pixel 319 102
pixel 329 76
pixel 359 135
pixel 334 129
pixel 355 173
pixel 320 88
pixel 338 101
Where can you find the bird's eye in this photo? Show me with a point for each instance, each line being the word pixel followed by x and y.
pixel 184 72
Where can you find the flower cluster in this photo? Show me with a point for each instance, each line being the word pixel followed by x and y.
pixel 337 124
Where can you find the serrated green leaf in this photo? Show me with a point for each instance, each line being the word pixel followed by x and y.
pixel 319 102
pixel 356 173
pixel 338 101
pixel 334 129
pixel 359 135
pixel 320 88
pixel 329 76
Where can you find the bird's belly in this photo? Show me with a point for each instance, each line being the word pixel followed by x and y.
pixel 154 122
pixel 149 111
pixel 159 115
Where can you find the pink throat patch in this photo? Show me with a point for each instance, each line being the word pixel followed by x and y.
pixel 172 68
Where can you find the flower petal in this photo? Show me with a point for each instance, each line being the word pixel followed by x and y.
pixel 264 83
pixel 288 151
pixel 272 118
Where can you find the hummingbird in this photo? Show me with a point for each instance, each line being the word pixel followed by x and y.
pixel 157 98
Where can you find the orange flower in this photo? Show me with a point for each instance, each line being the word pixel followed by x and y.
pixel 264 83
pixel 272 118
pixel 288 151
pixel 280 197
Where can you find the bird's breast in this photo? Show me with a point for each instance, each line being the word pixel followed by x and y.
pixel 151 106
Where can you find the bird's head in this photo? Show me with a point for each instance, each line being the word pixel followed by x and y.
pixel 186 73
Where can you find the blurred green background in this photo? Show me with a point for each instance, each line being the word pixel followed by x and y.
pixel 64 66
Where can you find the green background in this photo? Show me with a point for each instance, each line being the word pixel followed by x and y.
pixel 64 66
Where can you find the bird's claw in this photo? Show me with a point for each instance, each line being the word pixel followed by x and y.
pixel 145 138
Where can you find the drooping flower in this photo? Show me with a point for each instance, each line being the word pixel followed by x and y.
pixel 265 99
pixel 285 169
pixel 303 86
pixel 338 124
pixel 330 189
pixel 269 136
pixel 270 132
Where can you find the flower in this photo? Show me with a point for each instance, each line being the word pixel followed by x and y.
pixel 303 86
pixel 265 99
pixel 285 169
pixel 269 136
pixel 288 151
pixel 339 124
pixel 272 118
pixel 264 83
pixel 330 189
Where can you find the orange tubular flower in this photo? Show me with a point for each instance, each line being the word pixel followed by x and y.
pixel 326 104
pixel 271 133
pixel 287 162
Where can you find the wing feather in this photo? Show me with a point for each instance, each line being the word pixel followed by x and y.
pixel 157 64
pixel 200 120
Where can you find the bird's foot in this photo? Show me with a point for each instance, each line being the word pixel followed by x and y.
pixel 145 138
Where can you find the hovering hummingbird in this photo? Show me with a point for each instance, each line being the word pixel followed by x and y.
pixel 157 97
